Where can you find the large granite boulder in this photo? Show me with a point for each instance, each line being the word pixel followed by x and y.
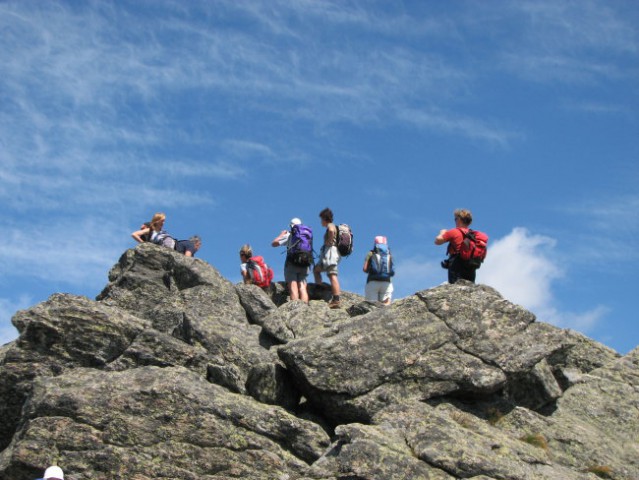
pixel 454 340
pixel 188 299
pixel 156 423
pixel 62 333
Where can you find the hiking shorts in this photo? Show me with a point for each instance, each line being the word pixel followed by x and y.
pixel 378 291
pixel 329 258
pixel 295 273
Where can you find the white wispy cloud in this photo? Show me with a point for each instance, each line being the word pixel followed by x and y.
pixel 568 42
pixel 523 267
pixel 8 307
pixel 68 251
pixel 607 224
pixel 597 108
pixel 473 128
pixel 577 25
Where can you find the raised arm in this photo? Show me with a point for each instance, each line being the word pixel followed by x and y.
pixel 137 235
pixel 280 239
pixel 439 239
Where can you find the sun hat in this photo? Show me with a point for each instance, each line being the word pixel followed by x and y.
pixel 54 472
pixel 380 240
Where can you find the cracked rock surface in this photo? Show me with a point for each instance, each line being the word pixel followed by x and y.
pixel 175 373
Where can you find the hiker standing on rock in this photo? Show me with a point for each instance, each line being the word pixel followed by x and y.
pixel 299 257
pixel 378 264
pixel 457 269
pixel 329 257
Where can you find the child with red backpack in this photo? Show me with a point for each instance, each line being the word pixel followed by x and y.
pixel 253 268
pixel 466 248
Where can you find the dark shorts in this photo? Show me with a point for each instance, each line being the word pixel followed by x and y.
pixel 459 270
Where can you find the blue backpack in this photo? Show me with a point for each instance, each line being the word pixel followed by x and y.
pixel 300 249
pixel 380 265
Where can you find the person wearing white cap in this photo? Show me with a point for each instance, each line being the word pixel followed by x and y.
pixel 294 275
pixel 378 264
pixel 53 473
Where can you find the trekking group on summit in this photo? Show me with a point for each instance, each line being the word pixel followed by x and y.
pixel 466 251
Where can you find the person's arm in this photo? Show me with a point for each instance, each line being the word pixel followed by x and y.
pixel 280 239
pixel 245 274
pixel 138 234
pixel 441 238
pixel 366 261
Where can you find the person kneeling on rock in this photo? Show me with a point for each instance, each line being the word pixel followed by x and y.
pixel 190 246
pixel 253 268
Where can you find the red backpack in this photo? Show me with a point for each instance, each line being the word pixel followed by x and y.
pixel 260 273
pixel 473 248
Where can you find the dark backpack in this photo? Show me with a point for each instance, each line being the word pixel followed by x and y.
pixel 344 241
pixel 473 248
pixel 260 273
pixel 300 250
pixel 146 237
pixel 380 265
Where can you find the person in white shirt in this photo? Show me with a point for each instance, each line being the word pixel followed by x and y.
pixel 294 275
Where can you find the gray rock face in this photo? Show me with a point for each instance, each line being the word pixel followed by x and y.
pixel 173 372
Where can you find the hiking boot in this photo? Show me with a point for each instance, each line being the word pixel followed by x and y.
pixel 333 304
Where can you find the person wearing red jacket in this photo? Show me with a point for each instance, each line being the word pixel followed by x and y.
pixel 457 269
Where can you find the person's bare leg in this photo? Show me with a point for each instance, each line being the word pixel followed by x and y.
pixel 303 292
pixel 334 285
pixel 294 291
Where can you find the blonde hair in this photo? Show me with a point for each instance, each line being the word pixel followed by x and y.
pixel 157 219
pixel 464 215
pixel 246 250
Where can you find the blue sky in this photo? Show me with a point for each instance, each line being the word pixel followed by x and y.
pixel 233 117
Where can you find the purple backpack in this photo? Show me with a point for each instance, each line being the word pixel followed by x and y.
pixel 300 249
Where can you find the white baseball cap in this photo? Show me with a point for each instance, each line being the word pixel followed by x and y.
pixel 295 221
pixel 53 473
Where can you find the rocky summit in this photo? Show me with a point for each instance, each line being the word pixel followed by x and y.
pixel 173 372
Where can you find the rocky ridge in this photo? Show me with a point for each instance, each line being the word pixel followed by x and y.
pixel 173 372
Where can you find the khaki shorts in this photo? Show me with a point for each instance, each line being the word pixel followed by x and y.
pixel 329 259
